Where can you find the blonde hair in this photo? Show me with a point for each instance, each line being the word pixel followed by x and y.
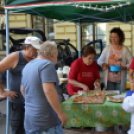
pixel 47 48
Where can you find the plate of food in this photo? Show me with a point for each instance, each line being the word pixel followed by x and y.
pixel 116 98
pixel 88 99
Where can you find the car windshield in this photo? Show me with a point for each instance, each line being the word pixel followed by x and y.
pixel 15 37
pixel 23 36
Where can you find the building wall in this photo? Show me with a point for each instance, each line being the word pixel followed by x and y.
pixel 69 30
pixel 17 20
pixel 128 31
pixel 20 20
pixel 66 30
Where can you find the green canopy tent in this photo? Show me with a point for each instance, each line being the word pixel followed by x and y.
pixel 77 11
pixel 87 11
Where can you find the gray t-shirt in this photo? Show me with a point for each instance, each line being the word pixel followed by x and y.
pixel 39 115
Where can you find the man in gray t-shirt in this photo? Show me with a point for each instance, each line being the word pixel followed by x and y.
pixel 43 113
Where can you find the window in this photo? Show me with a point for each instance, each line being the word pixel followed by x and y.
pixel 93 32
pixel 100 32
pixel 45 25
pixel 49 29
pixel 87 34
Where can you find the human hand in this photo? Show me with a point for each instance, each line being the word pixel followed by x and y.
pixel 97 85
pixel 63 117
pixel 10 94
pixel 85 88
pixel 105 66
pixel 132 81
pixel 123 67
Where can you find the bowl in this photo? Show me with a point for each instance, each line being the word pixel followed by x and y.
pixel 115 68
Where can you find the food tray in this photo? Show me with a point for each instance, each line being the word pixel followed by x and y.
pixel 117 97
pixel 92 93
pixel 88 99
pixel 100 92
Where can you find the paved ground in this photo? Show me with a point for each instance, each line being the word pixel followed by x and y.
pixel 3 119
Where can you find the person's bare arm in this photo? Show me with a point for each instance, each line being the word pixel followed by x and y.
pixel 80 85
pixel 130 75
pixel 8 63
pixel 52 97
pixel 22 90
pixel 123 67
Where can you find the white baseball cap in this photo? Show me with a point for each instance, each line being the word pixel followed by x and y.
pixel 34 41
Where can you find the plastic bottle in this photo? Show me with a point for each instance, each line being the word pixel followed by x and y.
pixel 60 73
pixel 66 70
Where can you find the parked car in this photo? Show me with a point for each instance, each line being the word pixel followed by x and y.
pixel 17 36
pixel 67 53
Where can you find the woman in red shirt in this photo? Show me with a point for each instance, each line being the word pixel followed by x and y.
pixel 84 72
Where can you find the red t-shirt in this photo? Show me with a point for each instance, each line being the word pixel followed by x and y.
pixel 132 65
pixel 83 73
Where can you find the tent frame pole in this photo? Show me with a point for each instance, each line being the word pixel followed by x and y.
pixel 93 17
pixel 125 14
pixel 7 53
pixel 120 15
pixel 79 39
pixel 42 15
pixel 129 14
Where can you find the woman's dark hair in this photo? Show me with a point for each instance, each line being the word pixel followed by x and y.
pixel 88 50
pixel 120 34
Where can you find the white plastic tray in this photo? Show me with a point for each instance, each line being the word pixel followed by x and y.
pixel 117 97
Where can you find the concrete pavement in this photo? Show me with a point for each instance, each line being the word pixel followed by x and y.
pixel 3 118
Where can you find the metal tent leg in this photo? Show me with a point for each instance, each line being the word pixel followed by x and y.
pixel 7 52
pixel 79 40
